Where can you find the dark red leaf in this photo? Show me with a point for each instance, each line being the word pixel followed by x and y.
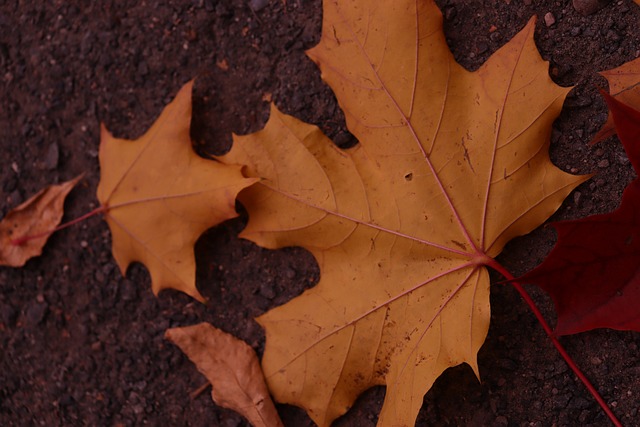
pixel 593 272
pixel 627 123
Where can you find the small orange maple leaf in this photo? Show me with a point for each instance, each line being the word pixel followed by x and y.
pixel 160 196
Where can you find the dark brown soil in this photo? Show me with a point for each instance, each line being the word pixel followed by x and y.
pixel 81 345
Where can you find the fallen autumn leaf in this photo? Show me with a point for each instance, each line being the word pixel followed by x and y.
pixel 36 217
pixel 159 196
pixel 592 271
pixel 232 368
pixel 451 165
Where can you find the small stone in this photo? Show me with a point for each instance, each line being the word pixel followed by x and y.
pixel 258 5
pixel 267 291
pixel 36 313
pixel 52 157
pixel 100 277
pixel 549 19
pixel 578 403
pixel 7 315
pixel 231 422
pixel 450 13
pixel 576 197
pixel 588 7
pixel 612 36
pixel 622 159
pixel 603 163
pixel 596 361
pixel 561 400
pixel 128 291
pixel 143 68
pixel 578 102
pixel 290 273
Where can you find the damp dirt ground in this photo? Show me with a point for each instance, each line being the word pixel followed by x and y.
pixel 82 345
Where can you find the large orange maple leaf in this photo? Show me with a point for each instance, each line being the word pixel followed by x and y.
pixel 451 165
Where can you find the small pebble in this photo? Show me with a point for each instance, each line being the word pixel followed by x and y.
pixel 576 197
pixel 290 273
pixel 267 291
pixel 450 13
pixel 258 5
pixel 549 19
pixel 603 163
pixel 143 68
pixel 8 315
pixel 36 313
pixel 52 157
pixel 588 7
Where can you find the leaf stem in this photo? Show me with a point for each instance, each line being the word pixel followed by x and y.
pixel 554 339
pixel 24 239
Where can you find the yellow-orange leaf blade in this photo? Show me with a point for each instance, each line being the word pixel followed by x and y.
pixel 232 368
pixel 40 214
pixel 450 166
pixel 161 196
pixel 624 85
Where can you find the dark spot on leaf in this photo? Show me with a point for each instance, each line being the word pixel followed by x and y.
pixel 459 244
pixel 409 176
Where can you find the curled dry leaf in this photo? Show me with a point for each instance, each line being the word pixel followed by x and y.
pixel 159 196
pixel 232 368
pixel 451 165
pixel 37 216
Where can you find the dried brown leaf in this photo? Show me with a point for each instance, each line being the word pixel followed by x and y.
pixel 233 369
pixel 38 215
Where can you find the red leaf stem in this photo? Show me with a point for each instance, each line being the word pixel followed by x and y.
pixel 554 339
